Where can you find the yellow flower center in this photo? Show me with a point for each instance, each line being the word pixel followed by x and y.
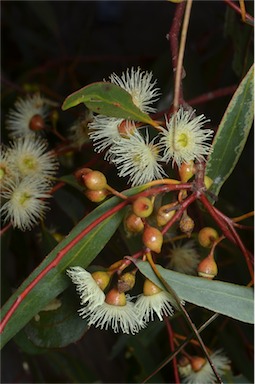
pixel 183 140
pixel 137 159
pixel 23 198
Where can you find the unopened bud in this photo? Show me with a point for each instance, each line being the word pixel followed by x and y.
pixel 102 279
pixel 126 282
pixel 208 267
pixel 80 173
pixel 95 180
pixel 186 224
pixel 165 213
pixel 149 288
pixel 36 123
pixel 197 363
pixel 134 223
pixel 153 239
pixel 142 206
pixel 207 236
pixel 114 297
pixel 186 171
pixel 96 196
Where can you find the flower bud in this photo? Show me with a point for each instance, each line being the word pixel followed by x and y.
pixel 114 297
pixel 186 171
pixel 153 239
pixel 36 123
pixel 95 180
pixel 102 279
pixel 149 288
pixel 165 213
pixel 96 196
pixel 207 236
pixel 142 207
pixel 197 363
pixel 186 224
pixel 126 282
pixel 134 223
pixel 208 267
pixel 80 173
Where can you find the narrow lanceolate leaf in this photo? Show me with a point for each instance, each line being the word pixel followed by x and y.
pixel 225 298
pixel 55 280
pixel 232 134
pixel 108 99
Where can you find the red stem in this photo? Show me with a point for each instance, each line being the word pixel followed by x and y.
pixel 173 36
pixel 204 98
pixel 184 205
pixel 227 228
pixel 172 347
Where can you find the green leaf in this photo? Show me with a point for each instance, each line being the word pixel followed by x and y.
pixel 226 298
pixel 232 134
pixel 56 281
pixel 58 325
pixel 108 99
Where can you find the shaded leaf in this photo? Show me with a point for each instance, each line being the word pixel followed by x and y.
pixel 108 99
pixel 232 134
pixel 228 299
pixel 56 328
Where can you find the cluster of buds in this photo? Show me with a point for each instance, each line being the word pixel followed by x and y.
pixel 95 183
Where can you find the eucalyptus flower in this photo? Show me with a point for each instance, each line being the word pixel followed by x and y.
pixel 184 138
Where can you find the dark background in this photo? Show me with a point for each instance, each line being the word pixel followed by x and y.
pixel 59 46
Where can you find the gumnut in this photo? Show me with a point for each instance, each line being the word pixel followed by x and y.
pixel 80 173
pixel 134 223
pixel 149 288
pixel 96 196
pixel 152 238
pixel 114 297
pixel 165 213
pixel 102 279
pixel 186 224
pixel 197 363
pixel 186 171
pixel 208 267
pixel 36 123
pixel 207 236
pixel 95 180
pixel 142 206
pixel 126 282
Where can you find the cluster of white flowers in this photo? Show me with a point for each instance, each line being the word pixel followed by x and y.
pixel 26 167
pixel 130 149
pixel 117 310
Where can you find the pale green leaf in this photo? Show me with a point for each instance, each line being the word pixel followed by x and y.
pixel 232 134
